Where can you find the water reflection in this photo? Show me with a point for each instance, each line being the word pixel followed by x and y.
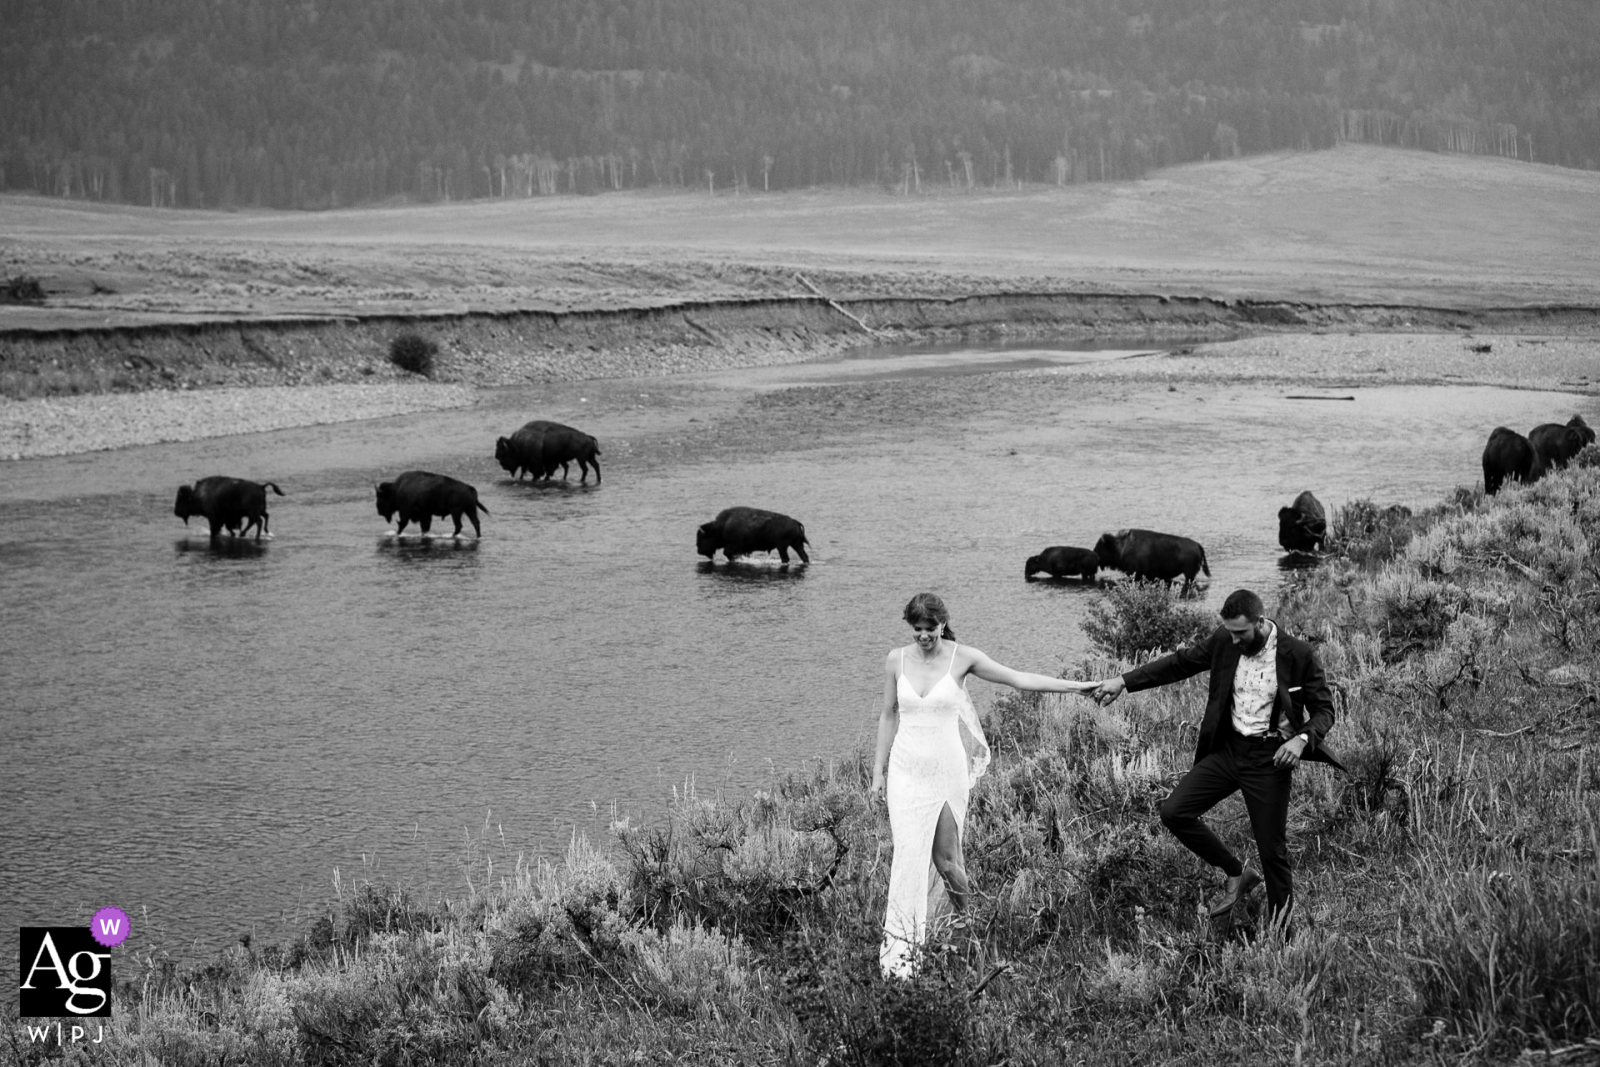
pixel 414 549
pixel 742 571
pixel 548 485
pixel 1180 589
pixel 224 548
pixel 1067 582
pixel 1299 561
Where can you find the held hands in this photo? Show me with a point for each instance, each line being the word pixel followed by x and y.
pixel 875 792
pixel 1108 691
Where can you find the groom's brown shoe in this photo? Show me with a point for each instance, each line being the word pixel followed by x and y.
pixel 1238 887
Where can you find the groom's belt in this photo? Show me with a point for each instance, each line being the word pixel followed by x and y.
pixel 1261 739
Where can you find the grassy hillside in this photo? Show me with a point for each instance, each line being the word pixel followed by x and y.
pixel 1448 909
pixel 1350 224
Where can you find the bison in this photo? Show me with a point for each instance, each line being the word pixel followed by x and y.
pixel 417 496
pixel 1060 561
pixel 740 531
pixel 226 503
pixel 541 446
pixel 1556 445
pixel 1303 525
pixel 1147 554
pixel 1509 455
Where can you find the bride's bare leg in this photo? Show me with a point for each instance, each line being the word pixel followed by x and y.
pixel 948 860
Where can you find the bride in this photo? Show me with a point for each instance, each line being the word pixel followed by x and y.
pixel 931 750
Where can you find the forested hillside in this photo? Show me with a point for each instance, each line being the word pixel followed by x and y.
pixel 224 103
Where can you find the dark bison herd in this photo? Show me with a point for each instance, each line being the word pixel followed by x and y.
pixel 1511 457
pixel 541 446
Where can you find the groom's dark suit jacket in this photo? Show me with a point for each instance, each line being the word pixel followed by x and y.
pixel 1303 699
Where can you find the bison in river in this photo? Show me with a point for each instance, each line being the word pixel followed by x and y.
pixel 1557 444
pixel 1059 561
pixel 1303 525
pixel 417 496
pixel 1147 554
pixel 740 531
pixel 226 503
pixel 1509 455
pixel 541 446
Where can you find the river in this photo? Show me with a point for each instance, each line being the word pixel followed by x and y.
pixel 211 739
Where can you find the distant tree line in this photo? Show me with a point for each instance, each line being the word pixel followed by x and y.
pixel 321 103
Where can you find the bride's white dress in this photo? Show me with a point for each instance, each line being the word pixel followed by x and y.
pixel 938 753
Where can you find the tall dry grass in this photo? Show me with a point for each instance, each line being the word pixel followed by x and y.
pixel 1447 901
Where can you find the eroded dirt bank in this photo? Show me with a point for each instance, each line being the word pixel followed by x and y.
pixel 529 346
pixel 87 390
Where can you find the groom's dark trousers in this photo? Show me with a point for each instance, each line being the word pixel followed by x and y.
pixel 1243 764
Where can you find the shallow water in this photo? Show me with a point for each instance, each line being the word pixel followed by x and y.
pixel 205 737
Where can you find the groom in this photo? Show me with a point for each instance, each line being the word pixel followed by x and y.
pixel 1268 708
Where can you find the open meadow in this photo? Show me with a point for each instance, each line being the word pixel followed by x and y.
pixel 1355 224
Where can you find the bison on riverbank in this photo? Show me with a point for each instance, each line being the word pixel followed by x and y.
pixel 1556 445
pixel 1509 456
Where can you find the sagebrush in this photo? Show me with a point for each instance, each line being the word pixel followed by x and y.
pixel 415 353
pixel 1445 887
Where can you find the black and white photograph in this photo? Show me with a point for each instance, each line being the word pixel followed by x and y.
pixel 843 532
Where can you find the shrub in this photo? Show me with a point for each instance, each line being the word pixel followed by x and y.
pixel 853 1015
pixel 378 909
pixel 565 924
pixel 22 289
pixel 425 998
pixel 1136 618
pixel 1368 533
pixel 1413 612
pixel 691 970
pixel 745 868
pixel 413 352
pixel 1107 880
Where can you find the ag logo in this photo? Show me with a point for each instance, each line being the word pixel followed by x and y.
pixel 65 971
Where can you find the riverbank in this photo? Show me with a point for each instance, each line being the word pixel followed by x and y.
pixel 69 424
pixel 1445 885
pixel 1295 249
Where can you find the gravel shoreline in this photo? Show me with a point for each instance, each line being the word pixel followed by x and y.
pixel 57 426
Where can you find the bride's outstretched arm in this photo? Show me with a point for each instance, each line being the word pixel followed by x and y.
pixel 990 671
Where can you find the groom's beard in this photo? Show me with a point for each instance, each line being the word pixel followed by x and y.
pixel 1254 645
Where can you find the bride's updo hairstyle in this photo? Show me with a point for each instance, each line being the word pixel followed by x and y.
pixel 926 608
